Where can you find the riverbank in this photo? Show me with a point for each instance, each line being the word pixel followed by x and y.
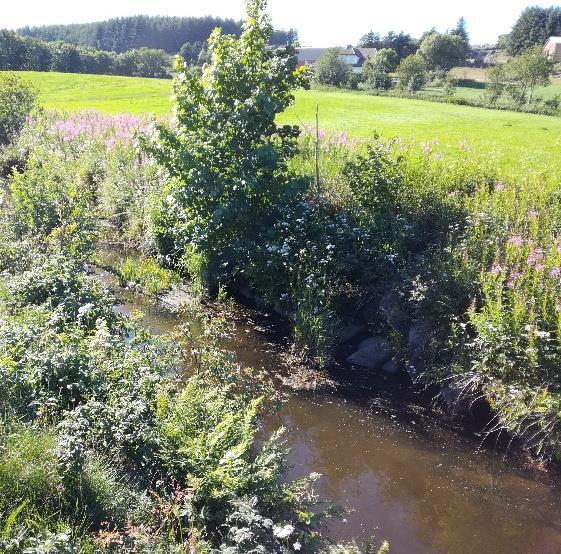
pixel 407 474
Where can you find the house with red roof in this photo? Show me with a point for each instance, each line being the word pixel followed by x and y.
pixel 552 49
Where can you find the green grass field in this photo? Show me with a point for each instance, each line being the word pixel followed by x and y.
pixel 517 141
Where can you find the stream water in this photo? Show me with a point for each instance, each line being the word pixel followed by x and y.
pixel 407 479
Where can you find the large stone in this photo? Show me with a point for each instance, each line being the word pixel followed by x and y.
pixel 391 367
pixel 349 333
pixel 395 315
pixel 418 337
pixel 371 354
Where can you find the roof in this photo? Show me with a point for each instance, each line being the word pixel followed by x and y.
pixel 367 52
pixel 311 54
pixel 554 40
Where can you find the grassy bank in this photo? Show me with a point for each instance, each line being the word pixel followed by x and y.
pixel 517 142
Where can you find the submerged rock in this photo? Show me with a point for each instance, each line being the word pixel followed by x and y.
pixel 371 354
pixel 391 367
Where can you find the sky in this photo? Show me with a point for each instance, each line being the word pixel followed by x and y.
pixel 319 22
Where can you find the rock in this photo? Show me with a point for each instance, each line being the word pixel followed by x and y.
pixel 395 315
pixel 418 337
pixel 391 367
pixel 371 354
pixel 369 309
pixel 350 332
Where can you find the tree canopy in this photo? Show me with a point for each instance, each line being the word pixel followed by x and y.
pixel 127 33
pixel 330 69
pixel 403 44
pixel 444 51
pixel 534 26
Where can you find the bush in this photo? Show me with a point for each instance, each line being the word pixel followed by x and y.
pixel 229 186
pixel 17 100
pixel 330 69
pixel 412 73
pixel 147 274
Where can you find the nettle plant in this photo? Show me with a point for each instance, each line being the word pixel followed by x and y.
pixel 227 157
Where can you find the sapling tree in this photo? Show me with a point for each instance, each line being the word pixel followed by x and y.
pixel 529 70
pixel 227 156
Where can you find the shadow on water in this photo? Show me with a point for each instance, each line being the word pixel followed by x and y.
pixel 406 478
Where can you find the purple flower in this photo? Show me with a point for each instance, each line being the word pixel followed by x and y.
pixel 500 186
pixel 517 240
pixel 535 258
pixel 496 269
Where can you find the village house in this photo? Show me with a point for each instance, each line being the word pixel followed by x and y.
pixel 354 57
pixel 552 49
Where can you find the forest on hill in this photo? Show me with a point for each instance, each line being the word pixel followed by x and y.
pixel 139 31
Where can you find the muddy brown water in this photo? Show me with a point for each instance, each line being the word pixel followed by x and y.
pixel 424 488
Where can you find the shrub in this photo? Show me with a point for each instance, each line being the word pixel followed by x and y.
pixel 229 185
pixel 330 69
pixel 17 100
pixel 412 73
pixel 147 274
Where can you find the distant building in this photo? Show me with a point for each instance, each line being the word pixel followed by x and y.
pixel 354 57
pixel 552 49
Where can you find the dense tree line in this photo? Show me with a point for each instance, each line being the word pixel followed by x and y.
pixel 534 26
pixel 19 53
pixel 127 33
pixel 403 44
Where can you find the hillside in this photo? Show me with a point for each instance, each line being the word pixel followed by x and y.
pixel 125 33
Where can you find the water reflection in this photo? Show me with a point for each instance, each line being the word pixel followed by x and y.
pixel 423 489
pixel 423 492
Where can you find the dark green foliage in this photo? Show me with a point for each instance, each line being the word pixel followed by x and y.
pixel 227 156
pixel 443 52
pixel 141 31
pixel 404 45
pixel 461 30
pixel 376 70
pixel 331 69
pixel 17 100
pixel 412 73
pixel 31 54
pixel 534 26
pixel 191 52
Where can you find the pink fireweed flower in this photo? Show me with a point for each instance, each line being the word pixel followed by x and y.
pixel 426 147
pixel 555 272
pixel 513 278
pixel 496 269
pixel 535 258
pixel 533 214
pixel 500 186
pixel 517 240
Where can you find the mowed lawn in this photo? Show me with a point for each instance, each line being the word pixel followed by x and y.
pixel 518 142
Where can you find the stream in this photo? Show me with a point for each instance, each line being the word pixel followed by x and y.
pixel 404 476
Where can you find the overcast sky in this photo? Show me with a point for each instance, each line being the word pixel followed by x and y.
pixel 319 22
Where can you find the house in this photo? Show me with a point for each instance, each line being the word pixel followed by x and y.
pixel 354 57
pixel 552 49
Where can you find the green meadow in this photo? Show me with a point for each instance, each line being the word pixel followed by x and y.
pixel 517 142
